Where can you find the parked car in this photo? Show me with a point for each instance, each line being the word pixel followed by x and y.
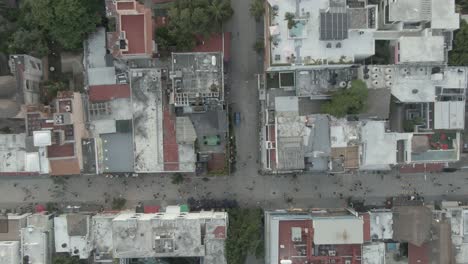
pixel 237 118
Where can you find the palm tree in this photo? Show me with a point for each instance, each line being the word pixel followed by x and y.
pixel 220 11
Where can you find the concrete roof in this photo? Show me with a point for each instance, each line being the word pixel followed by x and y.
pixel 410 10
pixel 147 120
pixel 101 229
pixel 378 104
pixel 101 76
pixel 304 41
pixel 287 104
pixel 444 16
pixel 336 231
pixel 12 152
pixel 412 224
pixel 197 76
pixel 449 115
pixel 291 131
pixel 10 252
pixel 417 83
pixel 71 234
pixel 10 226
pixel 185 132
pixel 317 145
pixel 379 148
pixel 381 224
pixel 373 253
pixel 422 49
pixel 35 244
pixel 169 235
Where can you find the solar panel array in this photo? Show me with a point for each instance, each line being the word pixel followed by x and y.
pixel 333 26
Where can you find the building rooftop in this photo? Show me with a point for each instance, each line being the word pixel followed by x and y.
pixel 381 224
pixel 412 224
pixel 170 235
pixel 378 145
pixel 118 156
pixel 71 232
pixel 419 83
pixel 147 120
pixel 197 78
pixel 421 49
pixel 373 253
pixel 10 252
pixel 324 31
pixel 134 29
pixel 35 244
pixel 10 226
pixel 291 237
pixel 336 231
pixel 99 67
pixel 99 93
pixel 449 115
pixel 101 229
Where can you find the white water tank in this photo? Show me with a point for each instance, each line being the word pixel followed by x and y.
pixel 388 77
pixel 388 70
pixel 389 83
pixel 376 83
pixel 375 76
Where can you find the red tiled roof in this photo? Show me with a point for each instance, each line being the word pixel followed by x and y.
pixel 418 255
pixel 170 146
pixel 108 92
pixel 134 27
pixel 125 5
pixel 367 235
pixel 418 168
pixel 220 232
pixel 151 209
pixel 217 162
pixel 64 167
pixel 57 151
pixel 215 44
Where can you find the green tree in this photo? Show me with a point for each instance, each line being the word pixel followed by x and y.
pixel 189 18
pixel 220 11
pixel 458 56
pixel 65 21
pixel 28 41
pixel 65 259
pixel 257 9
pixel 177 178
pixel 290 18
pixel 259 45
pixel 118 203
pixel 244 234
pixel 348 101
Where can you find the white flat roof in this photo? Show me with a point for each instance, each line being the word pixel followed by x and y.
pixel 422 49
pixel 381 224
pixel 449 115
pixel 444 16
pixel 373 253
pixel 358 44
pixel 42 138
pixel 12 152
pixel 379 147
pixel 408 10
pixel 336 231
pixel 287 104
pixel 9 252
pixel 35 244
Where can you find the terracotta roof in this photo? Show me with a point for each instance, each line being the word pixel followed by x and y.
pixel 65 150
pixel 125 5
pixel 215 44
pixel 220 232
pixel 108 92
pixel 367 235
pixel 134 27
pixel 170 146
pixel 64 167
pixel 418 255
